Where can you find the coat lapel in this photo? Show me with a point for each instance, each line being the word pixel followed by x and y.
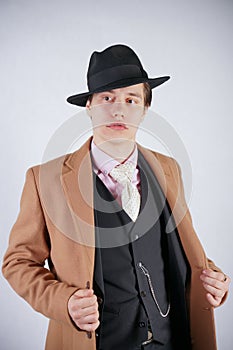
pixel 172 191
pixel 77 183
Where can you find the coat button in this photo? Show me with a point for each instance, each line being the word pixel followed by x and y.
pixel 142 324
pixel 143 293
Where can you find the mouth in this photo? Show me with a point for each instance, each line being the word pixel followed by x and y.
pixel 117 126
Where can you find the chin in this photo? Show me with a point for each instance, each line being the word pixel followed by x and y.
pixel 119 140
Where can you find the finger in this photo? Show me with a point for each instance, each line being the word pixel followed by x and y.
pixel 93 318
pixel 87 302
pixel 89 327
pixel 223 286
pixel 75 304
pixel 214 274
pixel 212 300
pixel 82 293
pixel 81 313
pixel 216 293
pixel 82 303
pixel 212 281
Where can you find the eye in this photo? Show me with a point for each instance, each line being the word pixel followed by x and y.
pixel 107 98
pixel 131 101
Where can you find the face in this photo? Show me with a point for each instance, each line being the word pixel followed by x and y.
pixel 116 114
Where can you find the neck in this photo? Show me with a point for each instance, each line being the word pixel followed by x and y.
pixel 117 149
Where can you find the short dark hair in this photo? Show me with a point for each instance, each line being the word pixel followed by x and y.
pixel 147 95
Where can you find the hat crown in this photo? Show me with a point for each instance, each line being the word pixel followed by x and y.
pixel 113 56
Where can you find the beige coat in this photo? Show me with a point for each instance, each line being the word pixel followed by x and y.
pixel 56 222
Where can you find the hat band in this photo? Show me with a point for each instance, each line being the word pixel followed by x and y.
pixel 113 74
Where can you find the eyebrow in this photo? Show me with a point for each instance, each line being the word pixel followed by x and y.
pixel 134 94
pixel 129 93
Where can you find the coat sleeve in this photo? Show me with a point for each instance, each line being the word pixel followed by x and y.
pixel 24 260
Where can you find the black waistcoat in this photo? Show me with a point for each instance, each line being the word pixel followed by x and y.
pixel 121 247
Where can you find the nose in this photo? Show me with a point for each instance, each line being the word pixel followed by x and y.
pixel 118 110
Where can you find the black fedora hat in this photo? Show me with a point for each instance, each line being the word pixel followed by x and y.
pixel 115 67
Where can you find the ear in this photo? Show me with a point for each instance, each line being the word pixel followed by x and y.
pixel 88 108
pixel 144 113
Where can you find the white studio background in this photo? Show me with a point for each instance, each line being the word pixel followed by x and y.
pixel 45 49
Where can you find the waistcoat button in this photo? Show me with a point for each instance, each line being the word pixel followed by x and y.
pixel 142 324
pixel 99 300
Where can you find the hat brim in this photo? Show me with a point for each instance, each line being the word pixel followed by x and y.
pixel 81 99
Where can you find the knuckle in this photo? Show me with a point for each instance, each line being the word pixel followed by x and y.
pixel 214 282
pixel 72 309
pixel 78 294
pixel 95 325
pixel 78 314
pixel 78 324
pixel 90 327
pixel 81 303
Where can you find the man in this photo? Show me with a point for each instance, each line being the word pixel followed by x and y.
pixel 127 270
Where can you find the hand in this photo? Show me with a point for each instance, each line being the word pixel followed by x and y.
pixel 216 284
pixel 83 309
